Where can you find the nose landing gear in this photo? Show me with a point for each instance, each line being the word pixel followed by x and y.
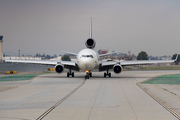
pixel 88 74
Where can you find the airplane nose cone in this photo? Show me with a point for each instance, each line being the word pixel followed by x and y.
pixel 86 64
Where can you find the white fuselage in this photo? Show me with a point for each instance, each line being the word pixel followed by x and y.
pixel 87 59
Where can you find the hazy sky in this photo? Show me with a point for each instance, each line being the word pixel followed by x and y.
pixel 49 26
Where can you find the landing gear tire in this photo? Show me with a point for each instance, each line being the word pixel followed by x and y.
pixel 72 74
pixel 109 74
pixel 104 74
pixel 90 74
pixel 68 74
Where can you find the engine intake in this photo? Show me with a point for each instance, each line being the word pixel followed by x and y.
pixel 59 68
pixel 90 43
pixel 117 68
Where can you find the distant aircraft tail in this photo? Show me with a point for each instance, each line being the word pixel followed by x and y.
pixel 176 60
pixel 2 57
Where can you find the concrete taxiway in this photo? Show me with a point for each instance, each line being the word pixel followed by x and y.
pixel 99 98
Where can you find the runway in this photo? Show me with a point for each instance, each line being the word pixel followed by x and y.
pixel 99 98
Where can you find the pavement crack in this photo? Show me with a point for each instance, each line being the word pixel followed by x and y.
pixel 94 101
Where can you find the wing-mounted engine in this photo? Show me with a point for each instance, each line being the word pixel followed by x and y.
pixel 117 68
pixel 59 68
pixel 90 43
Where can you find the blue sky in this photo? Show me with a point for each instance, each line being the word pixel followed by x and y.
pixel 49 26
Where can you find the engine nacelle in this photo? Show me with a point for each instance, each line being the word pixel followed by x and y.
pixel 59 68
pixel 90 43
pixel 117 68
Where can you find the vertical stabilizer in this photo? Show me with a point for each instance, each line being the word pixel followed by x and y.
pixel 90 43
pixel 91 27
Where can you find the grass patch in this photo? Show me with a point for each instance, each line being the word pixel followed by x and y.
pixel 47 72
pixel 19 77
pixel 173 79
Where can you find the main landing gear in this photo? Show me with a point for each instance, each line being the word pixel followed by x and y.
pixel 107 74
pixel 70 73
pixel 88 74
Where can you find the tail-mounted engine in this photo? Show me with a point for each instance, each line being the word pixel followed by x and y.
pixel 90 43
pixel 59 68
pixel 117 68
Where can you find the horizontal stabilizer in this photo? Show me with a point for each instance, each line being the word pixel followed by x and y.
pixel 108 53
pixel 70 53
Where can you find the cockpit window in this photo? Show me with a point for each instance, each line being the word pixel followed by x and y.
pixel 87 56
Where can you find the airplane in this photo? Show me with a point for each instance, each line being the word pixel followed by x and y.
pixel 88 59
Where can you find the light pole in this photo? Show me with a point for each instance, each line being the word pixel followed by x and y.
pixel 19 53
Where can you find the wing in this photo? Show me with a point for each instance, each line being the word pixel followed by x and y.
pixel 44 62
pixel 109 65
pixel 67 64
pixel 145 62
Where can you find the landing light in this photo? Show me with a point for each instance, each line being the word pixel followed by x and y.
pixel 87 71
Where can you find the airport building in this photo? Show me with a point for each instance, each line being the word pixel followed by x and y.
pixel 102 51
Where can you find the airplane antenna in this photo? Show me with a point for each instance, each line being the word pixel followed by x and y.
pixel 91 27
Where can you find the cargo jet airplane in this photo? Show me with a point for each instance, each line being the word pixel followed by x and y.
pixel 88 59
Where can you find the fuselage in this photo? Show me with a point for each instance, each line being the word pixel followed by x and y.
pixel 87 59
